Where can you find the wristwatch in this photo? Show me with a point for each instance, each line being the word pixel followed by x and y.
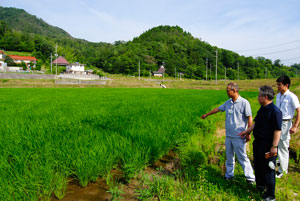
pixel 273 146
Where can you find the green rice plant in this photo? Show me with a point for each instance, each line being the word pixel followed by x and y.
pixel 48 135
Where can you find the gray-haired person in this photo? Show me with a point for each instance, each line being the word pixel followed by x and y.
pixel 266 131
pixel 238 117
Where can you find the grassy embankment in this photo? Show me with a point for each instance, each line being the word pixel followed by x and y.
pixel 120 81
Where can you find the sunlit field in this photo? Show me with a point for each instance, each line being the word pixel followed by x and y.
pixel 51 135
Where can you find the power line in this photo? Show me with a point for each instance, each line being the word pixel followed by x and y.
pixel 291 59
pixel 268 47
pixel 268 53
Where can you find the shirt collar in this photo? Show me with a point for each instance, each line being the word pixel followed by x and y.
pixel 269 105
pixel 285 93
pixel 237 100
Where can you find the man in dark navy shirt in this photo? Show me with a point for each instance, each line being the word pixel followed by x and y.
pixel 266 131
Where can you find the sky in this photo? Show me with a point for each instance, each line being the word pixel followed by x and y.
pixel 268 28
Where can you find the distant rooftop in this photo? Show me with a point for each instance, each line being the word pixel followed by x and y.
pixel 16 57
pixel 61 61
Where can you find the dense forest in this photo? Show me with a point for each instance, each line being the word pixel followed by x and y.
pixel 179 50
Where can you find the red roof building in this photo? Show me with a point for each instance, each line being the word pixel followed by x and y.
pixel 20 59
pixel 61 61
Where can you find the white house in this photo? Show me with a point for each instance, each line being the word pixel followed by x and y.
pixel 26 59
pixel 2 56
pixel 75 68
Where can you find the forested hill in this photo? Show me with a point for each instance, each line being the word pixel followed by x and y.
pixel 178 49
pixel 20 20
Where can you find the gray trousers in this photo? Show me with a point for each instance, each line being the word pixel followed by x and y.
pixel 283 146
pixel 237 145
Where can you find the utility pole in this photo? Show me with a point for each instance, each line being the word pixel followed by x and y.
pixel 51 62
pixel 210 72
pixel 238 70
pixel 56 57
pixel 206 67
pixel 139 70
pixel 150 73
pixel 216 66
pixel 266 73
pixel 225 73
pixel 175 73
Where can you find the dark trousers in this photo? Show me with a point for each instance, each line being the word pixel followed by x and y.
pixel 264 175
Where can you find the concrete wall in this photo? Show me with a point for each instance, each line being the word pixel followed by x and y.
pixel 25 76
pixel 79 76
pixel 85 82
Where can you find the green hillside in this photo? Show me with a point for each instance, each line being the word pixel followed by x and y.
pixel 179 50
pixel 20 20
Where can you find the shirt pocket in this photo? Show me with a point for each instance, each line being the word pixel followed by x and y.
pixel 284 103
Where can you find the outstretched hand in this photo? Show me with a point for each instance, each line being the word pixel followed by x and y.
pixel 204 116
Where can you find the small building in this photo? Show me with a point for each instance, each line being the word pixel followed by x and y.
pixel 75 68
pixel 89 72
pixel 60 61
pixel 160 71
pixel 2 55
pixel 19 59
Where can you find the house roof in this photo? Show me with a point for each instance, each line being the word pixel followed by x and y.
pixel 16 57
pixel 161 69
pixel 61 61
pixel 1 52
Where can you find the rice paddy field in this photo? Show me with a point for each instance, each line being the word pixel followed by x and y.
pixel 49 135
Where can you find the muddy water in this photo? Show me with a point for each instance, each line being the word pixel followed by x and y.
pixel 96 191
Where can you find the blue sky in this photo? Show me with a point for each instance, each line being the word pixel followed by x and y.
pixel 269 28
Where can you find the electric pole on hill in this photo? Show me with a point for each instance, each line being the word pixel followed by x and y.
pixel 139 70
pixel 56 57
pixel 238 71
pixel 51 63
pixel 175 73
pixel 210 72
pixel 216 66
pixel 206 67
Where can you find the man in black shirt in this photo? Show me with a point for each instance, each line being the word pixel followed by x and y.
pixel 266 131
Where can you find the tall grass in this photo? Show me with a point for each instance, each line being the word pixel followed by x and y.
pixel 50 135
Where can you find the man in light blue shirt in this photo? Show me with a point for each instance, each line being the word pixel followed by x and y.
pixel 238 118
